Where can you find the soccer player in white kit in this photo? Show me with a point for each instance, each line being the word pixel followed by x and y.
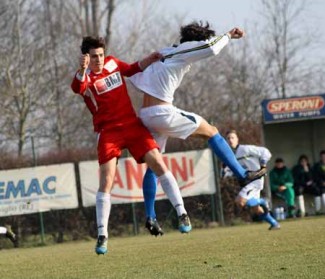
pixel 252 157
pixel 158 84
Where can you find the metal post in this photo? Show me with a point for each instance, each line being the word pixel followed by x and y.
pixel 314 152
pixel 135 222
pixel 267 188
pixel 213 208
pixel 40 213
pixel 217 208
pixel 218 190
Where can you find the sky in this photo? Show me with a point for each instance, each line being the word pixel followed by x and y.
pixel 221 14
pixel 225 14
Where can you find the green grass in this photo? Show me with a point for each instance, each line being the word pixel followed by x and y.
pixel 247 251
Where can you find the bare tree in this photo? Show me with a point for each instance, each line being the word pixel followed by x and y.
pixel 94 16
pixel 284 43
pixel 110 8
pixel 40 57
pixel 22 60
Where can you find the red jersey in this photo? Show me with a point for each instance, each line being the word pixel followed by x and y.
pixel 105 94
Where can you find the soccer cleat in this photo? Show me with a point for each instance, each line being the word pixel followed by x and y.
pixel 153 227
pixel 10 234
pixel 275 227
pixel 101 245
pixel 251 176
pixel 184 224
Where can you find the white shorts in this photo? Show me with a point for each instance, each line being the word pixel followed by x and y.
pixel 165 121
pixel 252 190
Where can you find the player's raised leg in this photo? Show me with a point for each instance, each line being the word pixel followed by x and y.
pixel 222 149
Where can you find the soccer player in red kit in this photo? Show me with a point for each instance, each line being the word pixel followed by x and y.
pixel 101 84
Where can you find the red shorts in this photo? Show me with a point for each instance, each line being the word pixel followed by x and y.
pixel 135 137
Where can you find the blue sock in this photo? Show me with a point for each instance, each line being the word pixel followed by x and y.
pixel 224 152
pixel 149 188
pixel 268 218
pixel 262 202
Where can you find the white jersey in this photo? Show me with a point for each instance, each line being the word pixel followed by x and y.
pixel 251 157
pixel 162 78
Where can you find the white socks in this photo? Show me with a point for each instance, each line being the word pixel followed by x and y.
pixel 3 230
pixel 318 204
pixel 301 205
pixel 323 200
pixel 171 189
pixel 103 209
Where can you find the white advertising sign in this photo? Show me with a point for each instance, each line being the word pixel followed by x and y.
pixel 193 170
pixel 38 189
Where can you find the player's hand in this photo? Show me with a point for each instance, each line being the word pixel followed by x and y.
pixel 282 188
pixel 236 33
pixel 263 167
pixel 151 58
pixel 155 56
pixel 84 61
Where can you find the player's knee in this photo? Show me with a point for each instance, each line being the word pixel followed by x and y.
pixel 158 168
pixel 156 164
pixel 240 202
pixel 212 131
pixel 256 210
pixel 106 183
pixel 206 130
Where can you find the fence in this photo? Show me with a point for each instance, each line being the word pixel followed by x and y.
pixel 57 189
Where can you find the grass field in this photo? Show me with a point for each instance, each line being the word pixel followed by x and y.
pixel 246 251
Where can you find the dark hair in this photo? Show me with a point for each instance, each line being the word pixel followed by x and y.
pixel 91 42
pixel 303 157
pixel 279 160
pixel 231 132
pixel 322 152
pixel 196 31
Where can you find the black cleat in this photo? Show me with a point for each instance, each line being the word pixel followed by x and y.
pixel 153 227
pixel 252 175
pixel 10 234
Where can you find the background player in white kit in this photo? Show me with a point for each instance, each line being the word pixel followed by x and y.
pixel 252 157
pixel 159 82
